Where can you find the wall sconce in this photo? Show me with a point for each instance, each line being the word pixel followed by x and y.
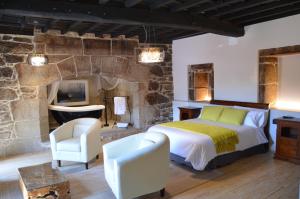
pixel 151 55
pixel 37 60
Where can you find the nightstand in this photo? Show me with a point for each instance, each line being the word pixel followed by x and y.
pixel 288 139
pixel 188 112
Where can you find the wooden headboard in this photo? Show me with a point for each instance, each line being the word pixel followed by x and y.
pixel 247 104
pixel 244 104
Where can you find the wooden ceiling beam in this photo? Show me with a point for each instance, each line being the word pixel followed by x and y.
pixel 129 30
pixel 242 6
pixel 126 16
pixel 271 13
pixel 261 9
pixel 90 29
pixel 131 3
pixel 188 4
pixel 49 25
pixel 160 3
pixel 112 29
pixel 263 19
pixel 103 1
pixel 215 6
pixel 72 26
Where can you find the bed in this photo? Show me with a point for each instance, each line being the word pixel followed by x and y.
pixel 199 152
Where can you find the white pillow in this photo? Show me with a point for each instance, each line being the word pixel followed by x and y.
pixel 255 117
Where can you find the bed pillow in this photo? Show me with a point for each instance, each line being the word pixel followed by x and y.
pixel 256 117
pixel 211 113
pixel 233 116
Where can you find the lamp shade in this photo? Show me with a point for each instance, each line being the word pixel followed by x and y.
pixel 37 60
pixel 151 55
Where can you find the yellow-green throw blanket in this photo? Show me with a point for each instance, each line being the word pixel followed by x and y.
pixel 223 138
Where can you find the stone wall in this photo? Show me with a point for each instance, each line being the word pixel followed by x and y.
pixel 23 116
pixel 23 95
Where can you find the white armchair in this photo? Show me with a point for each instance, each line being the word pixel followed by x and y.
pixel 77 140
pixel 137 165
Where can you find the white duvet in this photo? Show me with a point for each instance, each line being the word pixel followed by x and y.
pixel 199 149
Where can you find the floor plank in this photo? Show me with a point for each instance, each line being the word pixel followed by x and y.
pixel 258 176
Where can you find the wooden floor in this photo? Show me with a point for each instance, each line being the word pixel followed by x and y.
pixel 259 176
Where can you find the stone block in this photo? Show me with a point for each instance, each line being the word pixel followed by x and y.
pixel 42 92
pixel 25 109
pixel 43 108
pixel 6 127
pixel 120 66
pixel 168 57
pixel 124 47
pixel 167 87
pixel 29 92
pixel 57 58
pixel 44 129
pixel 268 93
pixel 40 48
pixel 5 135
pixel 15 48
pixel 97 46
pixel 96 64
pixel 83 64
pixel 40 38
pixel 268 73
pixel 21 146
pixel 22 39
pixel 156 70
pixel 6 131
pixel 8 83
pixel 4 107
pixel 108 65
pixel 11 59
pixel 37 76
pixel 137 73
pixel 153 86
pixel 6 37
pixel 27 129
pixel 156 98
pixel 5 115
pixel 2 62
pixel 8 94
pixel 63 45
pixel 67 68
pixel 6 72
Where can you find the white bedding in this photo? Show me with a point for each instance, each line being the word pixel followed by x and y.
pixel 199 149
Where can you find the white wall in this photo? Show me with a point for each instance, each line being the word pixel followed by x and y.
pixel 235 59
pixel 289 80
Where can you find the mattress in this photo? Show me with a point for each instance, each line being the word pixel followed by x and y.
pixel 199 149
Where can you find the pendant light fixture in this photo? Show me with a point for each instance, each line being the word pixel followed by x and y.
pixel 37 60
pixel 150 54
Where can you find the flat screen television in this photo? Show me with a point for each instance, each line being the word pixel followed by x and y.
pixel 72 93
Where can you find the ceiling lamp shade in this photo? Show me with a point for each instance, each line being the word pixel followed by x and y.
pixel 151 55
pixel 37 60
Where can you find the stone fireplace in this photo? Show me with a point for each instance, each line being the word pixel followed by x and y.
pixel 24 116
